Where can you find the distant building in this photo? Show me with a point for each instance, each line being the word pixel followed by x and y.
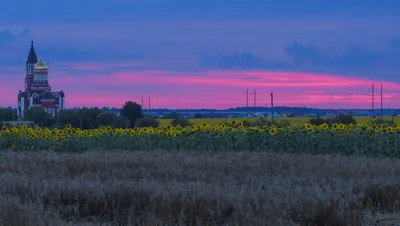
pixel 38 90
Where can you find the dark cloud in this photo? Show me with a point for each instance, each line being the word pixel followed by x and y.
pixel 245 60
pixel 305 57
pixel 355 60
pixel 307 54
pixel 52 54
pixel 359 57
pixel 8 38
pixel 14 48
pixel 354 57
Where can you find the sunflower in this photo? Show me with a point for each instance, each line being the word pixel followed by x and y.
pixel 51 149
pixel 273 130
pixel 14 129
pixel 4 128
pixel 334 126
pixel 389 130
pixel 13 146
pixel 308 126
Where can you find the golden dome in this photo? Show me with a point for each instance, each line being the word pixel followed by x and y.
pixel 40 65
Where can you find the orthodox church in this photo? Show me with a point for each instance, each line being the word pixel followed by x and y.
pixel 38 90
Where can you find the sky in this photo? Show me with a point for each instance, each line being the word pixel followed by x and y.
pixel 205 54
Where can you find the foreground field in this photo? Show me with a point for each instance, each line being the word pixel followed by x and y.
pixel 164 188
pixel 294 120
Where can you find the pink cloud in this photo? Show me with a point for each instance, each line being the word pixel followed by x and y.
pixel 208 89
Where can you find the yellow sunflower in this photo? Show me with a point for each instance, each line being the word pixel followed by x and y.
pixel 308 126
pixel 273 130
pixel 389 130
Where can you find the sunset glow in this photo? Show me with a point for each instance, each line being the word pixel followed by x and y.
pixel 210 89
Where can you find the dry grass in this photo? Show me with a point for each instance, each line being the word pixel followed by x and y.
pixel 160 188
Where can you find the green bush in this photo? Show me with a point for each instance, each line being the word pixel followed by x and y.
pixel 182 121
pixel 265 122
pixel 121 122
pixel 147 121
pixel 317 121
pixel 342 118
pixel 345 119
pixel 106 118
pixel 382 121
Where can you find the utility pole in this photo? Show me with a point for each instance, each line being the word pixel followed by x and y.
pixel 272 107
pixel 142 103
pixel 149 103
pixel 247 98
pixel 373 97
pixel 381 100
pixel 255 94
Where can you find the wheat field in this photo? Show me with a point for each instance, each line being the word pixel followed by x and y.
pixel 189 188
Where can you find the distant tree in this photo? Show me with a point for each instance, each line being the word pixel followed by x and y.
pixel 38 116
pixel 121 122
pixel 316 121
pixel 182 121
pixel 89 117
pixel 382 121
pixel 172 115
pixel 342 118
pixel 198 115
pixel 345 119
pixel 68 116
pixel 106 118
pixel 7 114
pixel 147 121
pixel 132 111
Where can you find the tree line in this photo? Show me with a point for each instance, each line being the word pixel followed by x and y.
pixel 130 116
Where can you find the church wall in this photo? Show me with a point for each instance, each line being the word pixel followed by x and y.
pixel 49 107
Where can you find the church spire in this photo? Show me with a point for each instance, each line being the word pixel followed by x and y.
pixel 32 58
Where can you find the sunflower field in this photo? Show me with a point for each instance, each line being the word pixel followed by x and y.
pixel 360 139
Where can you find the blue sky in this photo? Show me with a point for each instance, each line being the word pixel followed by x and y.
pixel 354 39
